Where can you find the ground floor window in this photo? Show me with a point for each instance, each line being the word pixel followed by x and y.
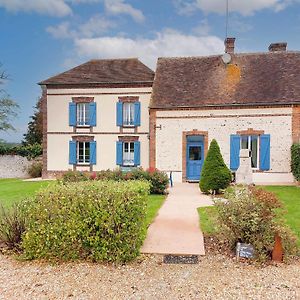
pixel 128 154
pixel 251 142
pixel 83 152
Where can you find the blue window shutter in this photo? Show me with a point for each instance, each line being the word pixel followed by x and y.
pixel 119 114
pixel 264 152
pixel 137 114
pixel 137 153
pixel 93 114
pixel 235 146
pixel 119 153
pixel 93 150
pixel 72 114
pixel 72 153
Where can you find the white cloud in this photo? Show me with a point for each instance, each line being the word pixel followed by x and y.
pixel 57 8
pixel 244 7
pixel 167 43
pixel 93 27
pixel 117 7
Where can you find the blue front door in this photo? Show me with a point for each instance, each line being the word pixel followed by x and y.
pixel 195 158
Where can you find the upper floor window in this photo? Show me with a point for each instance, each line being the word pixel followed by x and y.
pixel 83 114
pixel 128 114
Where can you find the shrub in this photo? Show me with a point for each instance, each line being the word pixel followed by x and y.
pixel 253 216
pixel 35 169
pixel 29 151
pixel 295 163
pixel 12 226
pixel 158 180
pixel 215 175
pixel 97 220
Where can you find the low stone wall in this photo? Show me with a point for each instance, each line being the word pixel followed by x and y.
pixel 14 166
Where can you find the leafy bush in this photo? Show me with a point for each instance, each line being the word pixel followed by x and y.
pixel 12 226
pixel 97 220
pixel 35 169
pixel 295 164
pixel 29 151
pixel 253 216
pixel 215 175
pixel 158 180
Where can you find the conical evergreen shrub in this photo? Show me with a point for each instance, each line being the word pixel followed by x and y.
pixel 215 174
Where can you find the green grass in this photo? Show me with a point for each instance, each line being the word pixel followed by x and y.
pixel 14 190
pixel 154 204
pixel 207 217
pixel 289 196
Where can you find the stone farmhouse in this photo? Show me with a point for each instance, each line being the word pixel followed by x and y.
pixel 112 113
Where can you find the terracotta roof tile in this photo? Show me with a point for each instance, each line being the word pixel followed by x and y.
pixel 104 71
pixel 250 79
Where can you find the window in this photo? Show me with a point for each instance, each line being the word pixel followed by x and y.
pixel 83 114
pixel 128 114
pixel 250 142
pixel 128 154
pixel 83 152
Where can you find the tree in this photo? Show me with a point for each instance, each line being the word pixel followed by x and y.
pixel 34 133
pixel 215 174
pixel 8 108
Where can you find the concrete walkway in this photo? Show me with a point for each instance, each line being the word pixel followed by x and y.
pixel 176 228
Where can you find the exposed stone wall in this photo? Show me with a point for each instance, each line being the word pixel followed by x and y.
pixel 14 166
pixel 220 124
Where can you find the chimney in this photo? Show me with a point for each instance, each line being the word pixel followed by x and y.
pixel 229 45
pixel 276 47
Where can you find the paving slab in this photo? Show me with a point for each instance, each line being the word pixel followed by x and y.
pixel 176 229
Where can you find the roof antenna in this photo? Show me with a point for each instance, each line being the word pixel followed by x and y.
pixel 227 18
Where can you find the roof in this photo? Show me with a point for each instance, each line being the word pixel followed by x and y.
pixel 250 79
pixel 105 71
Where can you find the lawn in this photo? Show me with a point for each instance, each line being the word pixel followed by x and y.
pixel 290 197
pixel 14 190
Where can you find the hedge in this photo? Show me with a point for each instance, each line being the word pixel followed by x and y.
pixel 159 180
pixel 29 151
pixel 96 220
pixel 295 163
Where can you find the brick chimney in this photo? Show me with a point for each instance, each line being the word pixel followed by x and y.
pixel 229 45
pixel 276 47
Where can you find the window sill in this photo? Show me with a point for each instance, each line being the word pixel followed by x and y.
pixel 129 126
pixel 83 126
pixel 83 165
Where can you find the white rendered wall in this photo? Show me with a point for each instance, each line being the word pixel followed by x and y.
pixel 220 124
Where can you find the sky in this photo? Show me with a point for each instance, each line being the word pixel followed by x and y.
pixel 41 38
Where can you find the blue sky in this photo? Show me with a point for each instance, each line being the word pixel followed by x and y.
pixel 40 38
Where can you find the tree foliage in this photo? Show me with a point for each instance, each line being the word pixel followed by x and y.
pixel 215 174
pixel 8 108
pixel 295 164
pixel 34 133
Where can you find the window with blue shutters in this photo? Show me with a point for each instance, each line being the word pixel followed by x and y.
pixel 259 150
pixel 128 114
pixel 82 153
pixel 128 153
pixel 82 114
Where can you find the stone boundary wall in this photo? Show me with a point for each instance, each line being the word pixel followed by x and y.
pixel 14 166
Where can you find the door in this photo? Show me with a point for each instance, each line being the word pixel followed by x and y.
pixel 195 156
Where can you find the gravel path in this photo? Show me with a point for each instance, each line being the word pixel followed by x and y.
pixel 215 277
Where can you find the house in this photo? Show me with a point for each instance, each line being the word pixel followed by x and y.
pixel 244 101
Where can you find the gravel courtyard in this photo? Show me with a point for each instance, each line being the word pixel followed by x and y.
pixel 215 277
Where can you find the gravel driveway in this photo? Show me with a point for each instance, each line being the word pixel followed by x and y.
pixel 215 277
